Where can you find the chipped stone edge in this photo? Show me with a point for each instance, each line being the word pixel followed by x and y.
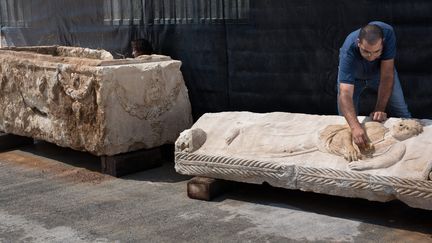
pixel 415 193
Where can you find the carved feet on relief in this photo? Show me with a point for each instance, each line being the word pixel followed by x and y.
pixel 359 165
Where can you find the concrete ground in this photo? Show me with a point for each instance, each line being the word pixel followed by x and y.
pixel 52 194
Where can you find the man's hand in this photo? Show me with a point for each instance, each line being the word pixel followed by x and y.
pixel 378 116
pixel 359 137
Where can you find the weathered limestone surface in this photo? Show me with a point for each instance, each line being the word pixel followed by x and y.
pixel 308 152
pixel 83 99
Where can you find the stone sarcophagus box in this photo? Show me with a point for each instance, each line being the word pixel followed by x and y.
pixel 86 100
pixel 312 153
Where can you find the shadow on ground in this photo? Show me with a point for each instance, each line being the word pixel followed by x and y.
pixel 64 155
pixel 393 214
pixel 165 173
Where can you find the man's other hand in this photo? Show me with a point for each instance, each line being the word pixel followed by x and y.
pixel 378 116
pixel 359 137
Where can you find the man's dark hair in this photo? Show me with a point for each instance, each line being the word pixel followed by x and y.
pixel 142 46
pixel 371 33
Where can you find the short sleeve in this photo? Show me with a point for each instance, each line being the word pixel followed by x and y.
pixel 346 67
pixel 389 51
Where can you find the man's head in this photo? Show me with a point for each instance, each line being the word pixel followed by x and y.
pixel 370 42
pixel 141 47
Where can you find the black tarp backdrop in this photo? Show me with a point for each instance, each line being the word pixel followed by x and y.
pixel 254 55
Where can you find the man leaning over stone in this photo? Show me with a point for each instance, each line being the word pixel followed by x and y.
pixel 141 47
pixel 366 60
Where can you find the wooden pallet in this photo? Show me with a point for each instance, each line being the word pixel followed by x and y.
pixel 127 163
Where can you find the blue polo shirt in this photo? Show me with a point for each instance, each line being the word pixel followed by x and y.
pixel 352 66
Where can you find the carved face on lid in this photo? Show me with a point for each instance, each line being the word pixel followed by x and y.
pixel 190 140
pixel 406 129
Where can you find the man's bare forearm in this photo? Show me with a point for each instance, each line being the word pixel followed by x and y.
pixel 348 110
pixel 384 92
pixel 385 88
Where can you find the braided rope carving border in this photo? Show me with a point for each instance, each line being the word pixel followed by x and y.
pixel 198 164
pixel 357 180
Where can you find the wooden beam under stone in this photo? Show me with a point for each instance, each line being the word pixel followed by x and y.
pixel 204 188
pixel 127 163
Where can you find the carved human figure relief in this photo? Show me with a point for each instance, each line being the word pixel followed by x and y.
pixel 280 140
pixel 271 140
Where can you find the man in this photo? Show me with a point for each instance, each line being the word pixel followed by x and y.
pixel 141 47
pixel 366 60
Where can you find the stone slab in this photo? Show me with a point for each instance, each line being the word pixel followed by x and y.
pixel 283 149
pixel 84 99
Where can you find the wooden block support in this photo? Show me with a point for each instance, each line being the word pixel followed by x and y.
pixel 10 141
pixel 127 163
pixel 204 188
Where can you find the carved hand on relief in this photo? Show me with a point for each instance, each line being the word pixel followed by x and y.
pixel 232 135
pixel 351 154
pixel 190 140
pixel 386 159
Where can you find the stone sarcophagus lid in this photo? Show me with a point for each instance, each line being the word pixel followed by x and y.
pixel 86 100
pixel 312 153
